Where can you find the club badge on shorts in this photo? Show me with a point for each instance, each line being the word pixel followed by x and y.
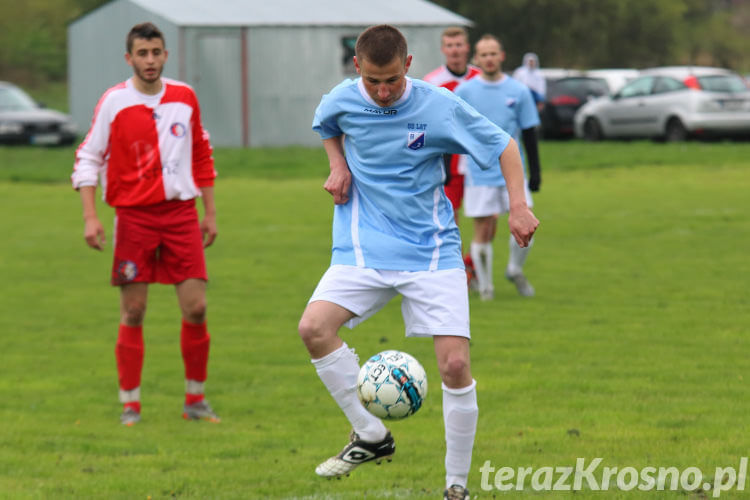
pixel 127 270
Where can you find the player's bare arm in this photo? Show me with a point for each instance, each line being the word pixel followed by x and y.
pixel 521 220
pixel 340 179
pixel 208 224
pixel 93 231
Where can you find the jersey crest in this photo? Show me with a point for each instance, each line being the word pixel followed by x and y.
pixel 415 140
pixel 178 129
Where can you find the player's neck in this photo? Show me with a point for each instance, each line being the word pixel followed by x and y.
pixel 457 71
pixel 148 88
pixel 493 77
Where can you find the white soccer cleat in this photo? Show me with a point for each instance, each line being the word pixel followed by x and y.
pixel 356 453
pixel 522 284
pixel 200 411
pixel 130 417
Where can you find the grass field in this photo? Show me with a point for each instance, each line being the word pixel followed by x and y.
pixel 634 350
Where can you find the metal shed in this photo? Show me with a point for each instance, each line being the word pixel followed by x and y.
pixel 259 67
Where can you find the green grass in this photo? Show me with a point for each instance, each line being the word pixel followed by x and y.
pixel 635 348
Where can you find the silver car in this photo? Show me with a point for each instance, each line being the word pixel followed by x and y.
pixel 23 121
pixel 671 103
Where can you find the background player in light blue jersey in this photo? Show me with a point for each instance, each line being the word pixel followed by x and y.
pixel 509 104
pixel 394 233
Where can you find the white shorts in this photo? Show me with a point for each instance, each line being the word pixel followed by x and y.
pixel 434 302
pixel 483 201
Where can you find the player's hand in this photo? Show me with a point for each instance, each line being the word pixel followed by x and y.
pixel 208 229
pixel 522 224
pixel 93 233
pixel 339 182
pixel 534 182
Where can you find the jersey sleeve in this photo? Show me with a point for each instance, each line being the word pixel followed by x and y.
pixel 477 136
pixel 325 120
pixel 203 161
pixel 91 154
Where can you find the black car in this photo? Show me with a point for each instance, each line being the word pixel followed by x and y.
pixel 564 97
pixel 23 121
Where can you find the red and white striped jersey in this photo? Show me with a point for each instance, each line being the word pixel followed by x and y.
pixel 146 149
pixel 442 77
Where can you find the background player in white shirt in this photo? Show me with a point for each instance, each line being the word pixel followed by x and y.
pixel 148 149
pixel 509 104
pixel 530 75
pixel 394 233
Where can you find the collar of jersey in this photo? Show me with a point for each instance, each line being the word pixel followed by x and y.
pixel 149 99
pixel 402 99
pixel 502 80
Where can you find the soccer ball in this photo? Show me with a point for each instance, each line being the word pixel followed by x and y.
pixel 392 385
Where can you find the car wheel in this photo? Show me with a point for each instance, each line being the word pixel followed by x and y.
pixel 592 131
pixel 675 131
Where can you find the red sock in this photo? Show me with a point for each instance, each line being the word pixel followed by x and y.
pixel 195 340
pixel 129 354
pixel 136 405
pixel 193 398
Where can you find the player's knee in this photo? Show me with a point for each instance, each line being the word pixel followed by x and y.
pixel 133 312
pixel 307 329
pixel 311 330
pixel 454 369
pixel 195 311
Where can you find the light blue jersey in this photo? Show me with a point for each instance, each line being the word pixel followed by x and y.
pixel 397 216
pixel 507 103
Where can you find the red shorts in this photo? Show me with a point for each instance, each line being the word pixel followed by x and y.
pixel 454 188
pixel 159 243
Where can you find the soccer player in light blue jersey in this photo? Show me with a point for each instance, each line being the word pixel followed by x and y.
pixel 509 104
pixel 394 233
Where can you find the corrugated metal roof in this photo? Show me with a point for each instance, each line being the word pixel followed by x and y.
pixel 301 12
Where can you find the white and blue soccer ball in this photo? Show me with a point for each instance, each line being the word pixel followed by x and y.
pixel 392 385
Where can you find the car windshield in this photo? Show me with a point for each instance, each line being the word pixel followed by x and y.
pixel 578 86
pixel 722 83
pixel 14 99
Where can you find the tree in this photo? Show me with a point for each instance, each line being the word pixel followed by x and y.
pixel 33 38
pixel 615 33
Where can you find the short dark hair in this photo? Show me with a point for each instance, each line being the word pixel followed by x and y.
pixel 146 31
pixel 380 45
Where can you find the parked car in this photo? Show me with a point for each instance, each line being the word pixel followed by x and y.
pixel 616 78
pixel 557 73
pixel 671 103
pixel 564 97
pixel 24 121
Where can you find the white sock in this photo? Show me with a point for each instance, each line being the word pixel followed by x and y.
pixel 488 256
pixel 460 414
pixel 338 371
pixel 517 257
pixel 477 256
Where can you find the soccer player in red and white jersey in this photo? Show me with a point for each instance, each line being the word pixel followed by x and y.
pixel 148 149
pixel 454 44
